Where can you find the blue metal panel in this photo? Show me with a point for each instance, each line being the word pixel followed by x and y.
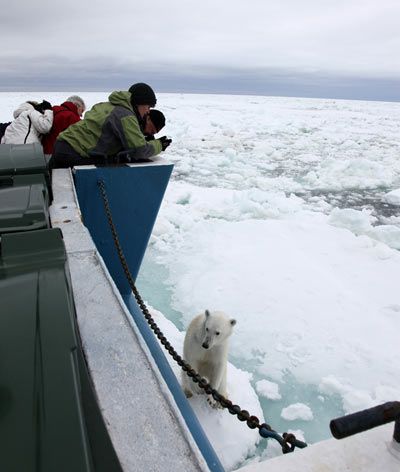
pixel 135 195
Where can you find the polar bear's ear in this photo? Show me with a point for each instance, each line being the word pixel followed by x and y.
pixel 233 322
pixel 207 313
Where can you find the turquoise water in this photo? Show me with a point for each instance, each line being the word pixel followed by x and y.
pixel 152 286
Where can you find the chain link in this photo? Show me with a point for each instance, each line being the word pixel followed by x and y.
pixel 287 441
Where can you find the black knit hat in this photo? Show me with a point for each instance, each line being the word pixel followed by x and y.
pixel 158 119
pixel 142 94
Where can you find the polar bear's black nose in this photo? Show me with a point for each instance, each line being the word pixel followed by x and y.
pixel 205 345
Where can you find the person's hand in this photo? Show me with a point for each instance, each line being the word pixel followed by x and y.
pixel 165 142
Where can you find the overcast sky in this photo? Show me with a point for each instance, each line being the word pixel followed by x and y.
pixel 321 48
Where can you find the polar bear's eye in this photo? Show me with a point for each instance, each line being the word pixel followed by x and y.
pixel 217 333
pixel 206 329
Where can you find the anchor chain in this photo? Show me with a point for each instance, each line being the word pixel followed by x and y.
pixel 287 441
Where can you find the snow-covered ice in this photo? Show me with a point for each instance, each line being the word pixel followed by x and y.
pixel 278 213
pixel 297 411
pixel 284 213
pixel 268 389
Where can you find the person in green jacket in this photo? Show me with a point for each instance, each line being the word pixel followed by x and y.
pixel 109 129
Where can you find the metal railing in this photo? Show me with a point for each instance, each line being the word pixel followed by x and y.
pixel 367 419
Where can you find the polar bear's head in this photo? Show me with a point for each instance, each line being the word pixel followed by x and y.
pixel 217 328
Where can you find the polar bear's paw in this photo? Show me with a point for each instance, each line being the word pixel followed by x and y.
pixel 213 403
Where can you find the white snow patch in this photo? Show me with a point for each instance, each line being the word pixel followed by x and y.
pixel 393 197
pixel 268 389
pixel 297 411
pixel 356 221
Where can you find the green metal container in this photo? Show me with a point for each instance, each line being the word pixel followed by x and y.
pixel 24 201
pixel 22 159
pixel 49 417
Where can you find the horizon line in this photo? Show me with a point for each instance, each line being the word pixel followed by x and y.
pixel 201 92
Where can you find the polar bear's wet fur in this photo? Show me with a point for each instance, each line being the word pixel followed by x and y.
pixel 206 349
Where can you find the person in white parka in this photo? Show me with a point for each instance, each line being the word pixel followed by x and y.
pixel 31 121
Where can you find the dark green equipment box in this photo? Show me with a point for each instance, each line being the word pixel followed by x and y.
pixel 49 417
pixel 22 159
pixel 24 203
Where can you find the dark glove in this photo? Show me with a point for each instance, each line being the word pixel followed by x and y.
pixel 165 142
pixel 45 105
pixel 149 137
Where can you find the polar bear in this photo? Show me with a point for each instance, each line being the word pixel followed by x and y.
pixel 206 349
